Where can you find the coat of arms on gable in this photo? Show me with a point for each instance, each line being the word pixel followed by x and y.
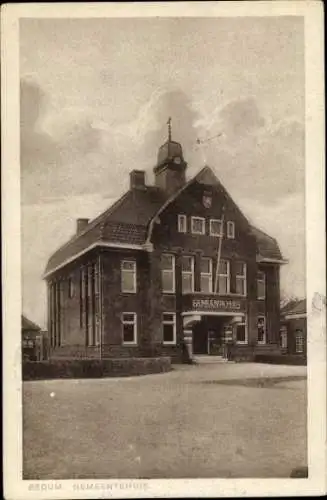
pixel 207 200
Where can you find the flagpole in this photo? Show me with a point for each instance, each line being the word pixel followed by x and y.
pixel 219 249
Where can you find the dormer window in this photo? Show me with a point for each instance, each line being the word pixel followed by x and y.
pixel 198 225
pixel 182 223
pixel 216 227
pixel 230 230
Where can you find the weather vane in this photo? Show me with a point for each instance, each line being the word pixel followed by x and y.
pixel 202 142
pixel 169 128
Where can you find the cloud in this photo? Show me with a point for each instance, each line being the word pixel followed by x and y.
pixel 285 221
pixel 241 117
pixel 38 149
pixel 62 154
pixel 74 162
pixel 56 223
pixel 252 154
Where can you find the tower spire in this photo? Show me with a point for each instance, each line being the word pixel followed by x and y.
pixel 169 129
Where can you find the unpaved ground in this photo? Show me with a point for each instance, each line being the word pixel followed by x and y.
pixel 210 420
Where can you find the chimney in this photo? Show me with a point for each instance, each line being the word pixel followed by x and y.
pixel 81 225
pixel 137 179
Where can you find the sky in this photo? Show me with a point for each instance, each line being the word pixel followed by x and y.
pixel 95 96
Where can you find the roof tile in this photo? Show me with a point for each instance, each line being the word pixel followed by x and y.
pixel 127 221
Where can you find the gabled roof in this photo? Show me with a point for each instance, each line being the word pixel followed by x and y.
pixel 129 222
pixel 29 325
pixel 125 222
pixel 267 246
pixel 294 308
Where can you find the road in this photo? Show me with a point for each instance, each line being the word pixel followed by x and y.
pixel 210 420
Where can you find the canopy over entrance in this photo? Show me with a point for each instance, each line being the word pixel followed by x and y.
pixel 209 332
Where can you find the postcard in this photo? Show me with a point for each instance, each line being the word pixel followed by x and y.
pixel 164 250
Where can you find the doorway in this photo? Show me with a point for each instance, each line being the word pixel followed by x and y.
pixel 200 338
pixel 208 335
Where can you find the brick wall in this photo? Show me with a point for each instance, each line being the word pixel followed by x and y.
pixel 292 325
pixel 272 303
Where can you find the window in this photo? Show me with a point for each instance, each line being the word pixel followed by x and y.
pixel 283 337
pixel 261 285
pixel 299 342
pixel 169 328
pixel 216 227
pixel 97 287
pixel 241 333
pixel 223 278
pixel 55 298
pixel 182 224
pixel 90 281
pixel 168 273
pixel 198 225
pixel 206 275
pixel 240 272
pixel 71 287
pixel 128 276
pixel 261 330
pixel 230 229
pixel 90 317
pixel 187 274
pixel 82 297
pixel 129 327
pixel 227 335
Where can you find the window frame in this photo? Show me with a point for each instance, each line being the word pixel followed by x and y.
pixel 210 274
pixel 230 224
pixel 299 335
pixel 261 280
pixel 224 276
pixel 182 219
pixel 283 336
pixel 242 277
pixel 127 322
pixel 82 296
pixel 202 219
pixel 169 322
pixel 264 341
pixel 244 322
pixel 217 235
pixel 134 271
pixel 188 272
pixel 71 287
pixel 173 271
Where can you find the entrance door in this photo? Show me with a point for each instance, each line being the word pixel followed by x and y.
pixel 208 336
pixel 200 338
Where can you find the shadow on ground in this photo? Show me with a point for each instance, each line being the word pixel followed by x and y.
pixel 259 383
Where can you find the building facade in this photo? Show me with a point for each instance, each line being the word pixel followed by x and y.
pixel 34 341
pixel 143 278
pixel 293 332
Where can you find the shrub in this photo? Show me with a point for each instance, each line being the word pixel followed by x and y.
pixel 94 368
pixel 280 359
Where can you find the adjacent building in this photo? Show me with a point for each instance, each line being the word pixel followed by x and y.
pixel 293 333
pixel 34 341
pixel 142 278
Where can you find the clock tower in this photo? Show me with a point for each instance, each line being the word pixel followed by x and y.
pixel 170 168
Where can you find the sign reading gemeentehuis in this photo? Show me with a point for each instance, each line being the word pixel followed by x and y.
pixel 217 305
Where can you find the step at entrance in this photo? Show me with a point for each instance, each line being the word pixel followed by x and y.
pixel 206 359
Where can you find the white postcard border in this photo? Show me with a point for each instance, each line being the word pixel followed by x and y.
pixel 14 486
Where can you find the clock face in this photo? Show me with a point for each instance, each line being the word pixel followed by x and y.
pixel 177 160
